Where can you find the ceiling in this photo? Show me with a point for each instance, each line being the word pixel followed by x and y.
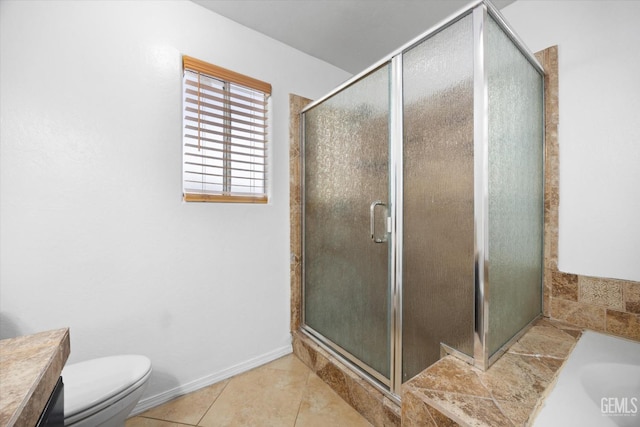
pixel 350 34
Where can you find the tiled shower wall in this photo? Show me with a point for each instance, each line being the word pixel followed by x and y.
pixel 296 104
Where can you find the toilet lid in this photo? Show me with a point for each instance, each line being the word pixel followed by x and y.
pixel 89 383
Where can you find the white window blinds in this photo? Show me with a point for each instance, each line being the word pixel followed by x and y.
pixel 225 135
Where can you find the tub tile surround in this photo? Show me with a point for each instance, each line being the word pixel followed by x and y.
pixel 606 305
pixel 507 393
pixel 549 60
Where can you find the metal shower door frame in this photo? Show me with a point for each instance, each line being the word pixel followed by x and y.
pixel 379 381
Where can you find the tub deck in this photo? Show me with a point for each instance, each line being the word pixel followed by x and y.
pixel 598 386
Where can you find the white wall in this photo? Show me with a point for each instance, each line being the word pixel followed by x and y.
pixel 93 231
pixel 599 134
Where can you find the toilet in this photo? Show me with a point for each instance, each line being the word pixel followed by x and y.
pixel 103 391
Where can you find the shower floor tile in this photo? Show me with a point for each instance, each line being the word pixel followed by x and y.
pixel 281 393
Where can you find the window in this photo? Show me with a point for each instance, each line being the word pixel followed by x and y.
pixel 225 135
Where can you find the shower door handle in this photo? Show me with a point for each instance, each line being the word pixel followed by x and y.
pixel 372 221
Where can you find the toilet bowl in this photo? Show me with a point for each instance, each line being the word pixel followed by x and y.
pixel 104 391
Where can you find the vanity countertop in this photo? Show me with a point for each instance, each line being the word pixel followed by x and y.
pixel 29 369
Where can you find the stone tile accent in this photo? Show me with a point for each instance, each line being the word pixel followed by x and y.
pixel 607 305
pixel 603 292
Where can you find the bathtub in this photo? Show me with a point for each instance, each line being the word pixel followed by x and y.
pixel 598 386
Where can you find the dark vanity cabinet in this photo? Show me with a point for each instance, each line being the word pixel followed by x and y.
pixel 53 413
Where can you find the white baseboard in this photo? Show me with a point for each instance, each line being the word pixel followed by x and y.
pixel 164 397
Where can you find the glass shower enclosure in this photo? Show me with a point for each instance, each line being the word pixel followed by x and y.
pixel 423 202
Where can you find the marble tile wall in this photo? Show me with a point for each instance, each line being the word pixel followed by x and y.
pixel 549 60
pixel 296 104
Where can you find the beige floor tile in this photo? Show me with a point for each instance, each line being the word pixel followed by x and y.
pixel 149 422
pixel 288 363
pixel 261 397
pixel 283 393
pixel 322 407
pixel 188 409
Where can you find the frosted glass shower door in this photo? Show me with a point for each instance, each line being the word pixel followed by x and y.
pixel 346 253
pixel 516 176
pixel 438 245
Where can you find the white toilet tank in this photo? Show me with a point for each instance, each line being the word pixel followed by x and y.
pixel 104 391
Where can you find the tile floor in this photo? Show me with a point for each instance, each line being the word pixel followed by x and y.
pixel 281 393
